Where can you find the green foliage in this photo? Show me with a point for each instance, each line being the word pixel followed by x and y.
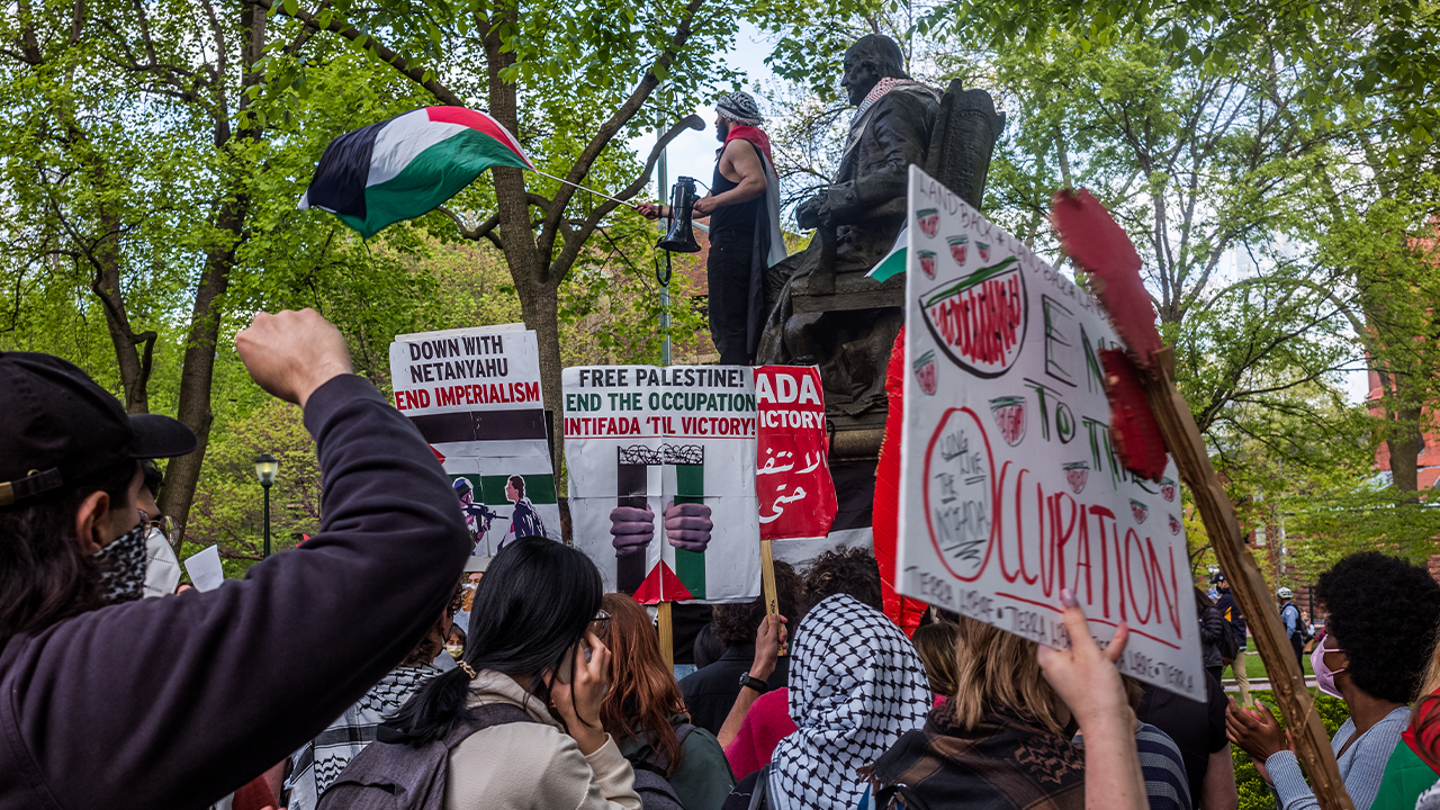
pixel 229 504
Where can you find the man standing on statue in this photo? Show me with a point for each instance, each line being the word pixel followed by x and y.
pixel 745 239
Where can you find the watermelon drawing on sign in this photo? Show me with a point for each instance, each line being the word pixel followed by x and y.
pixel 1174 525
pixel 1009 413
pixel 1076 473
pixel 957 249
pixel 979 321
pixel 927 263
pixel 1139 510
pixel 925 372
pixel 984 250
pixel 1167 489
pixel 929 221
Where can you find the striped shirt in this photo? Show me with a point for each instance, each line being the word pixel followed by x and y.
pixel 1166 784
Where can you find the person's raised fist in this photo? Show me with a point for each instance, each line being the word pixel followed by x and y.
pixel 290 353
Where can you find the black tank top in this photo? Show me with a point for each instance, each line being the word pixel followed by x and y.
pixel 732 221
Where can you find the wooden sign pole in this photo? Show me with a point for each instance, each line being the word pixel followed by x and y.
pixel 666 627
pixel 767 580
pixel 1184 442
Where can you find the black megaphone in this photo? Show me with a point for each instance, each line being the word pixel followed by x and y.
pixel 681 236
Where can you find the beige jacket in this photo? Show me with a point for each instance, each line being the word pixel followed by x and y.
pixel 532 766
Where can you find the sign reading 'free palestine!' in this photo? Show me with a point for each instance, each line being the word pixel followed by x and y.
pixel 1010 487
pixel 645 437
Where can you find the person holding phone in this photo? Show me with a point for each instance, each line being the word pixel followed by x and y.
pixel 535 643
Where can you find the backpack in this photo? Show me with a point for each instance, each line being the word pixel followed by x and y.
pixel 656 792
pixel 391 774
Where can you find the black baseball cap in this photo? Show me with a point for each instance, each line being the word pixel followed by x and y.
pixel 62 430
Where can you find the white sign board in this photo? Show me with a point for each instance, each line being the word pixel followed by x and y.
pixel 205 570
pixel 475 396
pixel 638 436
pixel 1010 487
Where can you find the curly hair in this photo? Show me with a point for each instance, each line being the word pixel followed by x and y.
pixel 1383 613
pixel 851 571
pixel 735 624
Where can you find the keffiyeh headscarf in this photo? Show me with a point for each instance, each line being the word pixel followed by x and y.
pixel 740 108
pixel 856 685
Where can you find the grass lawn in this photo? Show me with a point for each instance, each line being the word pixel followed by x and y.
pixel 1255 668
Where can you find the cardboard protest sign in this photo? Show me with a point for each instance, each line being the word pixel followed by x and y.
pixel 1010 486
pixel 643 436
pixel 792 477
pixel 475 396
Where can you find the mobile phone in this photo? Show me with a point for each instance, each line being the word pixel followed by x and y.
pixel 565 673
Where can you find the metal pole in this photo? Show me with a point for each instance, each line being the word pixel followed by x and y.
pixel 267 520
pixel 664 288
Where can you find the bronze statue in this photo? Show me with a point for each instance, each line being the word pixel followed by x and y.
pixel 824 310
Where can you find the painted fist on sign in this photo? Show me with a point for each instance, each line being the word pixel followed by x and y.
pixel 631 528
pixel 687 525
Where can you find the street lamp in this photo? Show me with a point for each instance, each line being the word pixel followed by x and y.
pixel 266 468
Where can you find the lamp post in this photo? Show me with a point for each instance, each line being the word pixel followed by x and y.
pixel 266 468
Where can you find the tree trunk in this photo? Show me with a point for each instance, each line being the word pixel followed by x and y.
pixel 528 268
pixel 134 365
pixel 198 372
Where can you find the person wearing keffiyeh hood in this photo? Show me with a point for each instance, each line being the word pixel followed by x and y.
pixel 745 239
pixel 856 685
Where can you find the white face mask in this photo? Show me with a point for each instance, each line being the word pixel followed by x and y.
pixel 162 568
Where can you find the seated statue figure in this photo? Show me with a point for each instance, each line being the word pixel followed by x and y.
pixel 824 311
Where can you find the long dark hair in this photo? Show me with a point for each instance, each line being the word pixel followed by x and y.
pixel 44 576
pixel 531 608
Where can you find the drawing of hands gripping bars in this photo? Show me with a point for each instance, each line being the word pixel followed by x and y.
pixel 687 519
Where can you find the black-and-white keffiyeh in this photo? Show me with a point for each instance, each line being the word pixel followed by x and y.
pixel 856 685
pixel 740 108
pixel 318 763
pixel 122 566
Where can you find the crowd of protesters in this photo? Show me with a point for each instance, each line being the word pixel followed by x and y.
pixel 380 665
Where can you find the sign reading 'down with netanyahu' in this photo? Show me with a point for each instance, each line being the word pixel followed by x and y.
pixel 475 396
pixel 1010 487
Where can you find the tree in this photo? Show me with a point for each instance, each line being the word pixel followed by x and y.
pixel 586 74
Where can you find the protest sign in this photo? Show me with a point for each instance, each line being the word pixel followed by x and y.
pixel 641 436
pixel 793 484
pixel 475 396
pixel 1010 486
pixel 204 569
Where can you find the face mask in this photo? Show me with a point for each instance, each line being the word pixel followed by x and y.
pixel 162 570
pixel 1324 676
pixel 455 650
pixel 122 566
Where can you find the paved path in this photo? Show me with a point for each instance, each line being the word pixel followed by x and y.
pixel 1230 685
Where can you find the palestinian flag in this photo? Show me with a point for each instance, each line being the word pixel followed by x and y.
pixel 408 165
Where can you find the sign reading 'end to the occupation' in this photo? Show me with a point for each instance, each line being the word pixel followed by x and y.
pixel 1010 487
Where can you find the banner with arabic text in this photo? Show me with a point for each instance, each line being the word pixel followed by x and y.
pixel 792 476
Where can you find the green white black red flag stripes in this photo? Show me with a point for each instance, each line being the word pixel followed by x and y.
pixel 408 165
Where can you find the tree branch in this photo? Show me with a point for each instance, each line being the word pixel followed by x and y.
pixel 337 26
